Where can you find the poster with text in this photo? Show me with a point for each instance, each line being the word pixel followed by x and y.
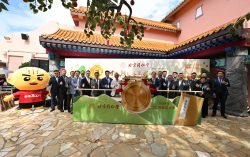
pixel 136 67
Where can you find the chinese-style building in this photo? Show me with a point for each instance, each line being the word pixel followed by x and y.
pixel 194 29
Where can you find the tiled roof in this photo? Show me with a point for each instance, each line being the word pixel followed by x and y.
pixel 150 23
pixel 203 35
pixel 97 39
pixel 63 35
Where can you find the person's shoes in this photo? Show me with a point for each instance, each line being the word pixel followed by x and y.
pixel 18 108
pixel 62 110
pixel 224 116
pixel 203 116
pixel 213 115
pixel 52 110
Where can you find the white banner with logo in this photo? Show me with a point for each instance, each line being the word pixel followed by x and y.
pixel 132 67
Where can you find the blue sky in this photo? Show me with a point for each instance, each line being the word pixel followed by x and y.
pixel 20 18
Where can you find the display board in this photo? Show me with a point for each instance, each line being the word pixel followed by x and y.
pixel 132 67
pixel 162 111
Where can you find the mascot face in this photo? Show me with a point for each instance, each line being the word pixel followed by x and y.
pixel 29 78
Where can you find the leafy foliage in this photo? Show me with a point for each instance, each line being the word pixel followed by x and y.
pixel 3 4
pixel 105 14
pixel 25 64
pixel 102 13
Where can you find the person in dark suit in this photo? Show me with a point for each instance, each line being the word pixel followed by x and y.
pixel 106 82
pixel 160 75
pixel 53 82
pixel 96 84
pixel 204 86
pixel 193 81
pixel 155 82
pixel 78 79
pixel 162 84
pixel 170 84
pixel 82 74
pixel 181 84
pixel 71 91
pixel 86 84
pixel 63 86
pixel 175 76
pixel 220 91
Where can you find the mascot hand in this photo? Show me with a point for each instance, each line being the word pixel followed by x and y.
pixel 8 98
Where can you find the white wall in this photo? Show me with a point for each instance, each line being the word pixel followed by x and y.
pixel 30 49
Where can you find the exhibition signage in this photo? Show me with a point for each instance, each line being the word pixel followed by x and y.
pixel 137 67
pixel 105 109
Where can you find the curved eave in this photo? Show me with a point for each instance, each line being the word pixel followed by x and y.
pixel 177 30
pixel 100 49
pixel 217 45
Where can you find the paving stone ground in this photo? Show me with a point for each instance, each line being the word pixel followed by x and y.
pixel 56 135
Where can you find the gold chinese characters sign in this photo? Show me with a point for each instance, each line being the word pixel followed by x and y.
pixel 189 110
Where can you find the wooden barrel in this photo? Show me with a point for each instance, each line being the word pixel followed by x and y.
pixel 136 97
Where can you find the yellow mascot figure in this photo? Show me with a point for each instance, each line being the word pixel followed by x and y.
pixel 31 83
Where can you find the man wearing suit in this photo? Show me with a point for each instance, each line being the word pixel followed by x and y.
pixel 163 83
pixel 86 84
pixel 63 86
pixel 106 82
pixel 96 84
pixel 82 74
pixel 160 75
pixel 206 89
pixel 155 82
pixel 53 82
pixel 220 85
pixel 170 85
pixel 175 76
pixel 181 84
pixel 193 81
pixel 164 75
pixel 72 85
pixel 163 86
pixel 78 80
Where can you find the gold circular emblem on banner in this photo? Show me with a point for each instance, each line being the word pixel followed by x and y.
pixel 136 97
